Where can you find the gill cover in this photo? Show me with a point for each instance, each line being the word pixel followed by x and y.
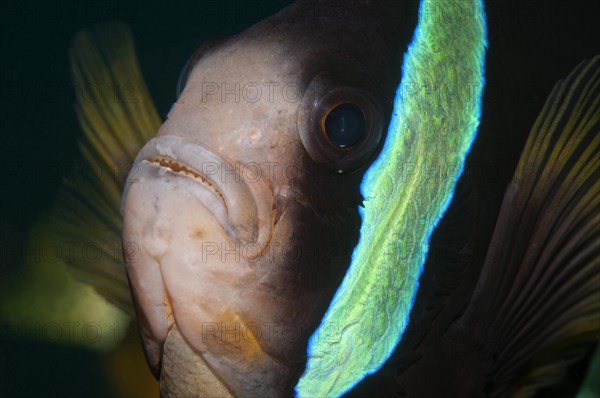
pixel 407 190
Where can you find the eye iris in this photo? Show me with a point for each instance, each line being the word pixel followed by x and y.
pixel 345 125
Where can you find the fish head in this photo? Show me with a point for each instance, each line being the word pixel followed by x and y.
pixel 240 216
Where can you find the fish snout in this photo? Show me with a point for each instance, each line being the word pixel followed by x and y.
pixel 194 223
pixel 238 204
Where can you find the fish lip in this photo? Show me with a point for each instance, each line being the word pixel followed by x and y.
pixel 242 202
pixel 173 166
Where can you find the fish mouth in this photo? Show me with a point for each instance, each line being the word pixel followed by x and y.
pixel 243 208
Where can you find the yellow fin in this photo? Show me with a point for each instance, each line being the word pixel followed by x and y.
pixel 535 308
pixel 45 303
pixel 117 116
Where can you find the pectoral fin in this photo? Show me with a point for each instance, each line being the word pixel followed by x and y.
pixel 535 310
pixel 117 116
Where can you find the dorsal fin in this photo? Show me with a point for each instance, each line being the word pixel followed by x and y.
pixel 535 310
pixel 117 116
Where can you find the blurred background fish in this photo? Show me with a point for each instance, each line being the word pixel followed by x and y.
pixel 59 337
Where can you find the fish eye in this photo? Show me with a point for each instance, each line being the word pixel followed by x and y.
pixel 345 125
pixel 340 126
pixel 192 61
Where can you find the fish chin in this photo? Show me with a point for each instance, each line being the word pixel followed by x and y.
pixel 189 373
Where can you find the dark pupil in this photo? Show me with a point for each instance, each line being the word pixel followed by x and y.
pixel 345 125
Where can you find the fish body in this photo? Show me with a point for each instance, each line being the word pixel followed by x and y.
pixel 407 190
pixel 241 216
pixel 218 154
pixel 244 211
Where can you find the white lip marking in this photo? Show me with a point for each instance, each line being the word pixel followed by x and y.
pixel 174 166
pixel 165 151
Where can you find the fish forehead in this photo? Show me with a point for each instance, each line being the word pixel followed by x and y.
pixel 242 97
pixel 244 113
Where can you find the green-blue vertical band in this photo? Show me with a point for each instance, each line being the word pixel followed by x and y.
pixel 407 190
